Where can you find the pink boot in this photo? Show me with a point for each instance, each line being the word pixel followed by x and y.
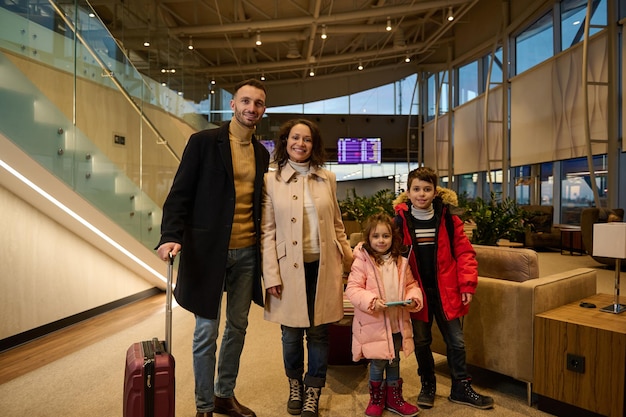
pixel 395 402
pixel 377 399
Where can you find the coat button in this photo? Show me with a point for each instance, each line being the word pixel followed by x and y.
pixel 295 265
pixel 294 243
pixel 294 197
pixel 293 220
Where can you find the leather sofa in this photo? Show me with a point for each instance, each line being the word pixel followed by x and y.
pixel 511 291
pixel 542 232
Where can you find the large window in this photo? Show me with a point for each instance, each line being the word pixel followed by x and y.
pixel 492 184
pixel 576 190
pixel 535 44
pixel 337 105
pixel 573 14
pixel 437 94
pixel 379 100
pixel 444 102
pixel 393 98
pixel 431 96
pixel 523 184
pixel 547 183
pixel 468 82
pixel 406 103
pixel 468 186
pixel 496 68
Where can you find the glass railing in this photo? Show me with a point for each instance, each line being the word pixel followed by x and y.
pixel 40 129
pixel 74 103
pixel 45 32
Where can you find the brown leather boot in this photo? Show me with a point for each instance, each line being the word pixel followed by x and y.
pixel 231 407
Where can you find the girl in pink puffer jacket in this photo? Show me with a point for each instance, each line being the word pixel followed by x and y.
pixel 383 291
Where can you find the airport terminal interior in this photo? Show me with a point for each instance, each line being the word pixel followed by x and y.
pixel 513 104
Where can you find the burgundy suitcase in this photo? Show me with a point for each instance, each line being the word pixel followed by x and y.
pixel 149 377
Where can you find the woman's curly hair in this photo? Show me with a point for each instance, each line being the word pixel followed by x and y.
pixel 318 154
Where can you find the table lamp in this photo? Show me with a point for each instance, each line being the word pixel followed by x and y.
pixel 609 240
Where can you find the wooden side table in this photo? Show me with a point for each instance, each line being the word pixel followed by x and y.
pixel 571 240
pixel 580 356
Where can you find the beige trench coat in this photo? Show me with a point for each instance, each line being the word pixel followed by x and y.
pixel 281 247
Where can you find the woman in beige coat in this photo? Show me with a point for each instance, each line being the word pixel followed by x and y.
pixel 303 247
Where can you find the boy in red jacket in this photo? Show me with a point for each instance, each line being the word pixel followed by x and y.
pixel 443 261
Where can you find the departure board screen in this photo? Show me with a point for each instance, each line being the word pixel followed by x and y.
pixel 359 151
pixel 269 145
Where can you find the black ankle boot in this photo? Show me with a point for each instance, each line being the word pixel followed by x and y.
pixel 426 397
pixel 463 393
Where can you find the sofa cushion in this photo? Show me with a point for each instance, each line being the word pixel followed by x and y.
pixel 511 264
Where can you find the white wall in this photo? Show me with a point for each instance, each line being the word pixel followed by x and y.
pixel 49 273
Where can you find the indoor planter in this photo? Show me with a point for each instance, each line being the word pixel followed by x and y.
pixel 359 208
pixel 495 220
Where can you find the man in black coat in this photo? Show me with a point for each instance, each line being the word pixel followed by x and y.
pixel 212 217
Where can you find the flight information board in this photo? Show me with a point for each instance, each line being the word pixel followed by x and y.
pixel 269 145
pixel 359 151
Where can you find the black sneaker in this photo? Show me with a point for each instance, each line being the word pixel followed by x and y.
pixel 463 393
pixel 426 397
pixel 296 389
pixel 310 408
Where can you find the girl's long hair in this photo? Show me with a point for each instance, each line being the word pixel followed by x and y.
pixel 396 240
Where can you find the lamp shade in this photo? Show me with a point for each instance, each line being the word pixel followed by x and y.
pixel 609 240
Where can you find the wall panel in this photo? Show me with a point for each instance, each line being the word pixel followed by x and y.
pixel 436 151
pixel 470 141
pixel 547 107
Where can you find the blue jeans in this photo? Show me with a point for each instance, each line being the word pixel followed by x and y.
pixel 378 366
pixel 238 282
pixel 452 332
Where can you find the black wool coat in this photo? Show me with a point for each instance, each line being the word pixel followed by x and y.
pixel 198 213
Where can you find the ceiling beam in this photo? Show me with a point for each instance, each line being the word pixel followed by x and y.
pixel 274 24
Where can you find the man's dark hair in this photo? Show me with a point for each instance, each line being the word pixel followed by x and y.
pixel 251 82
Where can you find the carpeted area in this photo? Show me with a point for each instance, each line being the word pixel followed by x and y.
pixel 90 381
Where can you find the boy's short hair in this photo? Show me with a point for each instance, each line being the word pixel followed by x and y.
pixel 423 174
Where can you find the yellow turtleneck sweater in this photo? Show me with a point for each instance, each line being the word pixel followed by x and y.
pixel 244 170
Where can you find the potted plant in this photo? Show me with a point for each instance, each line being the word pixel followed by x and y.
pixel 359 208
pixel 495 220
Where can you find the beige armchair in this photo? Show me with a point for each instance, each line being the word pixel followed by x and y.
pixel 500 325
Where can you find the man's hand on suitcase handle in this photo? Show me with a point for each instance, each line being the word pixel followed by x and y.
pixel 168 248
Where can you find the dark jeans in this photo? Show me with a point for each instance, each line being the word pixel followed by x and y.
pixel 452 332
pixel 316 336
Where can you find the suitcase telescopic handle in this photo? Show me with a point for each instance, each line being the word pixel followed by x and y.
pixel 168 304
